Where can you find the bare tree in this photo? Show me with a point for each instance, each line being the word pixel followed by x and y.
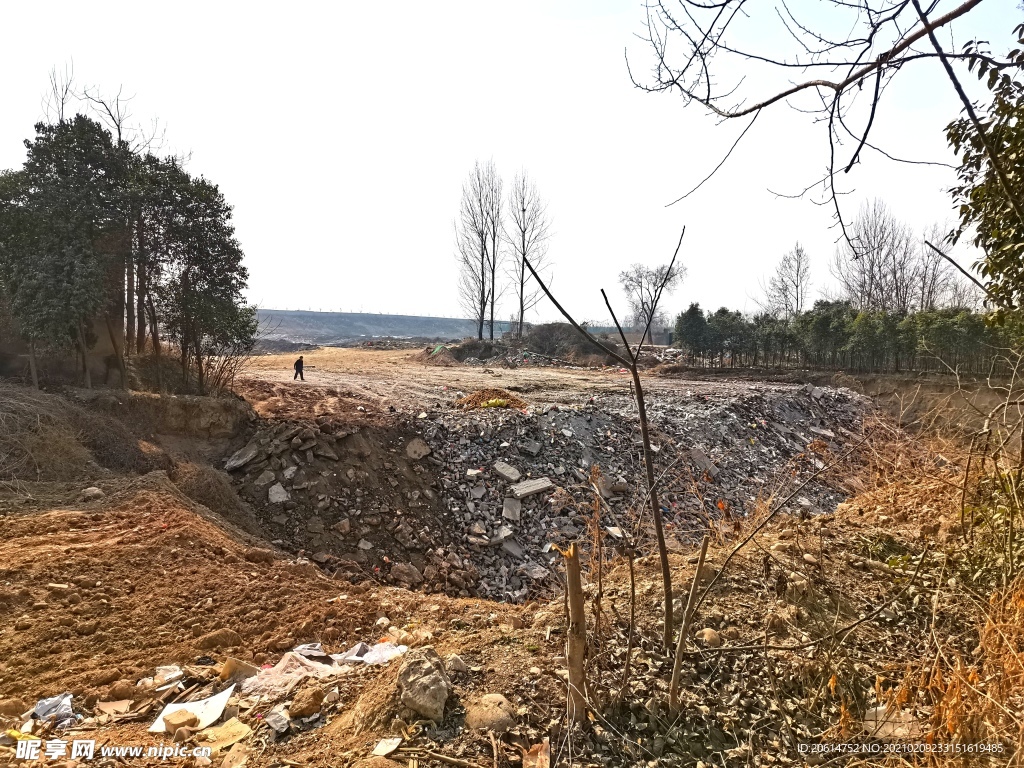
pixel 840 78
pixel 788 288
pixel 878 266
pixel 527 236
pixel 471 248
pixel 494 223
pixel 644 286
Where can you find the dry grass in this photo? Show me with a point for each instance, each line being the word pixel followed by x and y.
pixel 44 437
pixel 492 398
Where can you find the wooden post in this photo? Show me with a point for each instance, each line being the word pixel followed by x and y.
pixel 576 645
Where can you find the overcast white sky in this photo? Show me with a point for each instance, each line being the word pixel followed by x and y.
pixel 342 132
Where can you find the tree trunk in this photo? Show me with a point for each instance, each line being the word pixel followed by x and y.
pixel 576 644
pixel 130 303
pixel 142 290
pixel 86 376
pixel 33 369
pixel 122 369
pixel 154 330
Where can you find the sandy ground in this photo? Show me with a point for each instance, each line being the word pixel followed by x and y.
pixel 397 378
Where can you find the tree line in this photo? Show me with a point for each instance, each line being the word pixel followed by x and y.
pixel 98 234
pixel 899 305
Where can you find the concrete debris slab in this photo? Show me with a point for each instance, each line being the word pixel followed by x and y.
pixel 701 460
pixel 277 494
pixel 530 487
pixel 512 509
pixel 531 447
pixel 507 472
pixel 513 547
pixel 417 447
pixel 242 456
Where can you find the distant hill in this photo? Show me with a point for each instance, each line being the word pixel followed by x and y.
pixel 340 327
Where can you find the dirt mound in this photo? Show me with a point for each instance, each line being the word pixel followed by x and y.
pixel 46 437
pixel 492 398
pixel 438 355
pixel 330 408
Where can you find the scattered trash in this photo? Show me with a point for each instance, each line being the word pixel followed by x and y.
pixel 206 710
pixel 236 668
pixel 114 707
pixel 236 757
pixel 275 683
pixel 386 746
pixel 55 710
pixel 163 676
pixel 381 653
pixel 314 651
pixel 223 736
pixel 277 719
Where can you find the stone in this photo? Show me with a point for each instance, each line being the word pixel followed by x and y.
pixel 507 472
pixel 512 509
pixel 364 545
pixel 219 638
pixel 532 447
pixel 531 487
pixel 406 573
pixel 306 703
pixel 512 547
pixel 180 718
pixel 478 529
pixel 123 691
pixel 266 478
pixel 91 493
pixel 709 637
pixel 533 571
pixel 315 525
pixel 320 449
pixel 105 676
pixel 810 559
pixel 242 456
pixel 478 491
pixel 277 494
pixel 455 663
pixel 342 527
pixel 493 712
pixel 258 555
pixel 289 473
pixel 417 448
pixel 701 460
pixel 504 532
pixel 12 707
pixel 423 684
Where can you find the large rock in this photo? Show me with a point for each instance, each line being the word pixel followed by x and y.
pixel 423 684
pixel 406 573
pixel 12 707
pixel 306 703
pixel 242 456
pixel 493 712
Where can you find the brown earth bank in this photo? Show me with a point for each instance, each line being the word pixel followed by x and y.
pixel 845 617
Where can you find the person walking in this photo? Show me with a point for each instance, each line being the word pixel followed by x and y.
pixel 298 370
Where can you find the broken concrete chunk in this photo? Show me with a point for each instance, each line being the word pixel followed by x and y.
pixel 423 683
pixel 507 472
pixel 512 509
pixel 417 448
pixel 701 460
pixel 242 456
pixel 406 573
pixel 277 494
pixel 531 447
pixel 530 487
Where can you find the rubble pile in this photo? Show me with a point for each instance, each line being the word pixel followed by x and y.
pixel 500 470
pixel 473 504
